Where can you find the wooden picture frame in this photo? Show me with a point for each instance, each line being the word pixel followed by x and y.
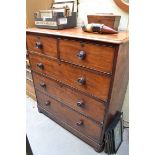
pixel 122 5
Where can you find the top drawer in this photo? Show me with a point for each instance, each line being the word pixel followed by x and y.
pixel 94 56
pixel 43 44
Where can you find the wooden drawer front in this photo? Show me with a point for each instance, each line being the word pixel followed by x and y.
pixel 42 44
pixel 72 118
pixel 93 56
pixel 83 80
pixel 77 101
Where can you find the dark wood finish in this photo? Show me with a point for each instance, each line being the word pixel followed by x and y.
pixel 70 117
pixel 108 20
pixel 75 100
pixel 94 56
pixel 42 44
pixel 70 75
pixel 120 81
pixel 82 84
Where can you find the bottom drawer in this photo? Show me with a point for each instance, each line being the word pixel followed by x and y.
pixel 72 118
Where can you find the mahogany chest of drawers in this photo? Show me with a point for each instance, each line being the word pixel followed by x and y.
pixel 80 79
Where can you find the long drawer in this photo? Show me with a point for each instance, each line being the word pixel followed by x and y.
pixel 97 85
pixel 72 118
pixel 94 56
pixel 42 44
pixel 75 100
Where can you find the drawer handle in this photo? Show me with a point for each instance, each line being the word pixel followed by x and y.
pixel 39 45
pixel 81 80
pixel 81 55
pixel 80 103
pixel 43 85
pixel 47 103
pixel 40 65
pixel 79 123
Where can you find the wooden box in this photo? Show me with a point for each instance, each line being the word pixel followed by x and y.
pixel 110 20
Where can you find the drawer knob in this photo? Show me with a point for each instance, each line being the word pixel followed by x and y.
pixel 80 103
pixel 39 45
pixel 81 55
pixel 47 103
pixel 43 85
pixel 40 65
pixel 79 123
pixel 81 80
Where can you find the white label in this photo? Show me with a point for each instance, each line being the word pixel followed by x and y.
pixel 62 21
pixel 48 23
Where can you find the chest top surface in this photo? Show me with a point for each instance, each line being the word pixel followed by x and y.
pixel 119 38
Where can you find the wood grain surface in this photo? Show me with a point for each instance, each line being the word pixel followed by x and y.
pixel 98 57
pixel 70 97
pixel 95 84
pixel 48 44
pixel 80 78
pixel 69 116
pixel 119 38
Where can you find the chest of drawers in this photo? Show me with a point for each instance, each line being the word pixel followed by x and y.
pixel 80 79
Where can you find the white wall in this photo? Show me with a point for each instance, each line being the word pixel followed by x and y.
pixel 100 6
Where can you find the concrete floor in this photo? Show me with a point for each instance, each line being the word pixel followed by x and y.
pixel 48 138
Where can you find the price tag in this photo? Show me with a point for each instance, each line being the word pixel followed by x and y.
pixel 62 21
pixel 48 23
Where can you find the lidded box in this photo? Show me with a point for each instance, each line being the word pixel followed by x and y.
pixel 109 19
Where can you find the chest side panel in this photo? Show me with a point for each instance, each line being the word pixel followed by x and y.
pixel 119 84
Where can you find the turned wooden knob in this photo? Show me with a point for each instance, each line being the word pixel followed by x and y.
pixel 81 55
pixel 40 65
pixel 81 80
pixel 79 123
pixel 47 103
pixel 39 45
pixel 80 103
pixel 43 85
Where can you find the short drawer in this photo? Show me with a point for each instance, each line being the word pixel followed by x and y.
pixel 72 118
pixel 42 44
pixel 88 82
pixel 75 100
pixel 97 57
